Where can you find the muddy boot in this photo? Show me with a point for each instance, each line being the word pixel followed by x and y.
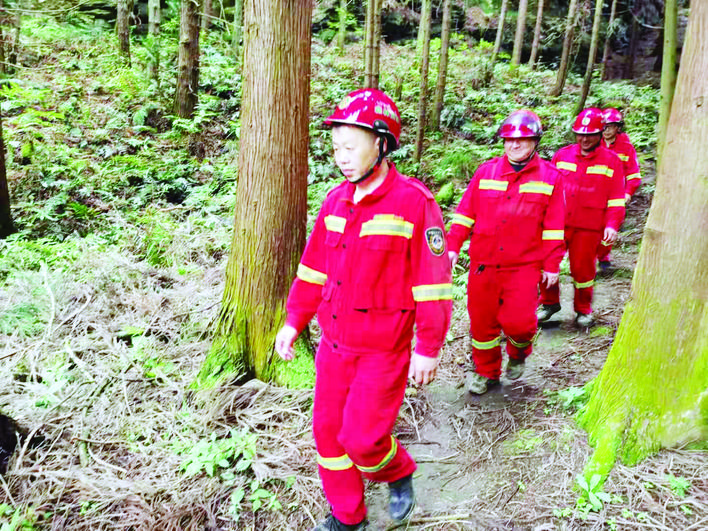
pixel 605 267
pixel 515 368
pixel 584 320
pixel 401 498
pixel 478 384
pixel 332 524
pixel 546 311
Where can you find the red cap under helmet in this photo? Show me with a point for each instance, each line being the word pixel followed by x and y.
pixel 612 116
pixel 371 109
pixel 589 122
pixel 521 124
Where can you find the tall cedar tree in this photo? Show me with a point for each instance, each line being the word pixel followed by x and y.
pixel 7 226
pixel 500 31
pixel 536 35
pixel 442 68
pixel 188 67
pixel 123 28
pixel 594 40
pixel 608 38
pixel 271 199
pixel 154 20
pixel 425 18
pixel 342 29
pixel 207 14
pixel 372 44
pixel 567 44
pixel 520 31
pixel 668 70
pixel 237 30
pixel 652 392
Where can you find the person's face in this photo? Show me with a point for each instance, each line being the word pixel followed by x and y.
pixel 588 142
pixel 355 150
pixel 610 132
pixel 519 149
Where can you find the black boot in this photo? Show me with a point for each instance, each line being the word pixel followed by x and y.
pixel 401 498
pixel 332 524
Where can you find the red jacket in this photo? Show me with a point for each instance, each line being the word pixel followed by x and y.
pixel 594 187
pixel 516 218
pixel 624 149
pixel 373 269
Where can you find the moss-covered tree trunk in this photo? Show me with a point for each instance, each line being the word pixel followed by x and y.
pixel 376 55
pixel 237 30
pixel 442 68
pixel 342 29
pixel 207 14
pixel 567 44
pixel 652 392
pixel 594 40
pixel 608 38
pixel 369 31
pixel 271 199
pixel 7 226
pixel 500 32
pixel 668 70
pixel 536 35
pixel 424 68
pixel 520 32
pixel 123 29
pixel 188 65
pixel 154 20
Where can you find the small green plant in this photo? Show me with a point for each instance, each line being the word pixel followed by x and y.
pixel 592 496
pixel 211 455
pixel 18 519
pixel 679 486
pixel 562 513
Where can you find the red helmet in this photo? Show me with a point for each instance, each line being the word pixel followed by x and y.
pixel 612 116
pixel 589 122
pixel 371 109
pixel 521 124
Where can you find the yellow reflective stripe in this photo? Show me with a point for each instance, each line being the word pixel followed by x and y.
pixel 552 234
pixel 387 227
pixel 600 169
pixel 462 220
pixel 310 275
pixel 615 203
pixel 587 284
pixel 335 223
pixel 519 345
pixel 490 184
pixel 623 157
pixel 486 345
pixel 536 187
pixel 386 460
pixel 563 165
pixel 335 463
pixel 432 292
pixel 634 176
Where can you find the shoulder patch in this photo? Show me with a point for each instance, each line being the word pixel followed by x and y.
pixel 435 237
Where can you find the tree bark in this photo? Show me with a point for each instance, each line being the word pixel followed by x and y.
pixel 342 30
pixel 188 68
pixel 668 71
pixel 154 20
pixel 376 57
pixel 372 48
pixel 3 43
pixel 652 392
pixel 610 31
pixel 500 32
pixel 271 199
pixel 591 56
pixel 123 29
pixel 237 29
pixel 7 226
pixel 536 35
pixel 520 31
pixel 426 13
pixel 424 67
pixel 442 68
pixel 567 44
pixel 207 14
pixel 633 44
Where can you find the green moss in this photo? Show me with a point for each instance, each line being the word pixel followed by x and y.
pixel 446 195
pixel 300 372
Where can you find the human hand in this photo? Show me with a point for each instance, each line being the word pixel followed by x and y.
pixel 610 236
pixel 627 197
pixel 549 279
pixel 284 342
pixel 453 256
pixel 422 369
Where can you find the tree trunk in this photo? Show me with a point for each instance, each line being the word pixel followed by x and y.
pixel 610 31
pixel 371 44
pixel 426 11
pixel 123 29
pixel 591 56
pixel 154 20
pixel 376 56
pixel 15 45
pixel 536 35
pixel 633 45
pixel 567 44
pixel 7 226
pixel 207 14
pixel 442 68
pixel 237 29
pixel 424 67
pixel 500 32
pixel 188 69
pixel 520 31
pixel 271 199
pixel 652 392
pixel 3 44
pixel 342 30
pixel 668 71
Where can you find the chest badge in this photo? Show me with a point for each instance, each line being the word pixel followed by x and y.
pixel 436 240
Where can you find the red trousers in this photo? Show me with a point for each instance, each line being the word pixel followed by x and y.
pixel 357 400
pixel 603 252
pixel 501 299
pixel 582 252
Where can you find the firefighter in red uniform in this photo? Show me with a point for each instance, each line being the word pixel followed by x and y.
pixel 374 266
pixel 593 181
pixel 618 141
pixel 514 209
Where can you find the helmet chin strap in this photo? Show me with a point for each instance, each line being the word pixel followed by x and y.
pixel 375 166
